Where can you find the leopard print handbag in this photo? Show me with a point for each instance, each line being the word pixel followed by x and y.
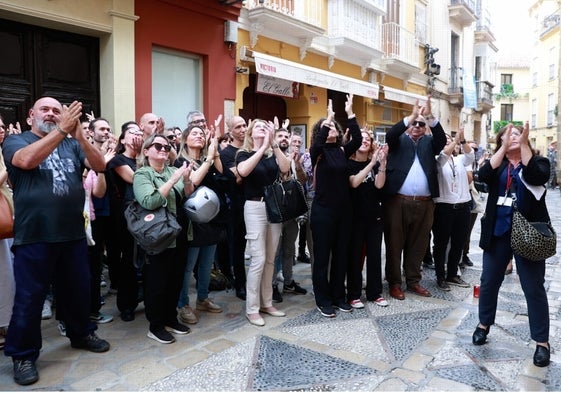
pixel 535 241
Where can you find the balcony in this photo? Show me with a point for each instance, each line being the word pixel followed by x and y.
pixel 483 28
pixel 549 24
pixel 455 87
pixel 401 49
pixel 484 96
pixel 354 29
pixel 296 22
pixel 462 12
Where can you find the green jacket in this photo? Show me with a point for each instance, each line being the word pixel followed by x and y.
pixel 146 182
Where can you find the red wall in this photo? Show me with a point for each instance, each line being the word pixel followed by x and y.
pixel 191 26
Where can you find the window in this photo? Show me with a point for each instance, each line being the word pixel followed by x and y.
pixel 534 113
pixel 176 85
pixel 506 112
pixel 534 79
pixel 550 109
pixel 421 25
pixel 506 79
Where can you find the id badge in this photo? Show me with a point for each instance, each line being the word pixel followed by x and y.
pixel 504 201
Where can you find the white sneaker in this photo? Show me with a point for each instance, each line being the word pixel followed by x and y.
pixel 381 302
pixel 47 313
pixel 356 303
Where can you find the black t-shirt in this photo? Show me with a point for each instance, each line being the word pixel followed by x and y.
pixel 120 192
pixel 366 198
pixel 264 174
pixel 48 199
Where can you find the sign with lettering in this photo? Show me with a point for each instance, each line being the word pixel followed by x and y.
pixel 277 87
pixel 289 70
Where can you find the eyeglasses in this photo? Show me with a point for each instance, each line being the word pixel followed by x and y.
pixel 2 127
pixel 171 137
pixel 134 131
pixel 159 147
pixel 417 123
pixel 200 121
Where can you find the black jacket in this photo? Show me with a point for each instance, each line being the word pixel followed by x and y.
pixel 536 173
pixel 401 155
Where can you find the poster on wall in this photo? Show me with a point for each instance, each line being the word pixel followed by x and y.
pixel 299 129
pixel 277 87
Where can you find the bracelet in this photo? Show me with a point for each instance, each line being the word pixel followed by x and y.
pixel 209 162
pixel 61 131
pixel 463 142
pixel 381 170
pixel 351 116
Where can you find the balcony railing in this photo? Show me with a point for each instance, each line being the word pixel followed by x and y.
pixel 484 93
pixel 466 3
pixel 549 23
pixel 309 11
pixel 355 21
pixel 399 43
pixel 456 84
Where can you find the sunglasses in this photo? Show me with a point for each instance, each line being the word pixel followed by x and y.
pixel 419 124
pixel 159 147
pixel 171 137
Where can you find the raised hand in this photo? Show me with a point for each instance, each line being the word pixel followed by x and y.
pixel 349 105
pixel 69 119
pixel 330 113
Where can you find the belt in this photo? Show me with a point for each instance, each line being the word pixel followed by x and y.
pixel 414 197
pixel 258 199
pixel 456 206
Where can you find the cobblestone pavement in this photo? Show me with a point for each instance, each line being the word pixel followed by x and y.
pixel 418 344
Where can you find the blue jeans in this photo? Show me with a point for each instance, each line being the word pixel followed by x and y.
pixel 205 257
pixel 36 265
pixel 532 280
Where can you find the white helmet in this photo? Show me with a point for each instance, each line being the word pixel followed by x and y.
pixel 202 205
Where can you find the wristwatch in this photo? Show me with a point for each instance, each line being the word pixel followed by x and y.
pixel 210 162
pixel 275 145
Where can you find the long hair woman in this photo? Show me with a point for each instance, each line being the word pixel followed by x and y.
pixel 331 214
pixel 514 174
pixel 202 248
pixel 259 162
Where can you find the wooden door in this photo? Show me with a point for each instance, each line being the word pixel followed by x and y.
pixel 38 62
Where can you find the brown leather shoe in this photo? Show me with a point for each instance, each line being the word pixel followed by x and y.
pixel 419 290
pixel 396 292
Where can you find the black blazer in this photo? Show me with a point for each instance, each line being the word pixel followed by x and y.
pixel 401 155
pixel 536 173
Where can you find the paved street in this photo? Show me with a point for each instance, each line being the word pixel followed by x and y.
pixel 418 344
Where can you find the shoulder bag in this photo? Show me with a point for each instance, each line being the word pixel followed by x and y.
pixel 153 230
pixel 6 218
pixel 535 241
pixel 284 200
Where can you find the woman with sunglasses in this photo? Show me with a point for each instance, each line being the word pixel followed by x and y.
pixel 157 184
pixel 259 162
pixel 331 214
pixel 513 173
pixel 201 250
pixel 120 171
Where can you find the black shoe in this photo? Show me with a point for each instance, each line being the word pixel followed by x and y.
pixel 277 297
pixel 127 315
pixel 480 336
pixel 25 372
pixel 92 343
pixel 294 287
pixel 343 306
pixel 177 328
pixel 161 336
pixel 466 261
pixel 428 262
pixel 541 356
pixel 442 285
pixel 303 258
pixel 327 311
pixel 241 293
pixel 457 281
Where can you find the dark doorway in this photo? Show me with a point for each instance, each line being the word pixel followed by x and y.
pixel 261 106
pixel 38 62
pixel 338 99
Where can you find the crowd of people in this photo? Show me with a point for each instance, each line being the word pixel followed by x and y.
pixel 359 192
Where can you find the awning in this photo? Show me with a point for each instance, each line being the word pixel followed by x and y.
pixel 403 96
pixel 289 70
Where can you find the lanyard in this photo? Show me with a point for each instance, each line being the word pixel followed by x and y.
pixel 508 178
